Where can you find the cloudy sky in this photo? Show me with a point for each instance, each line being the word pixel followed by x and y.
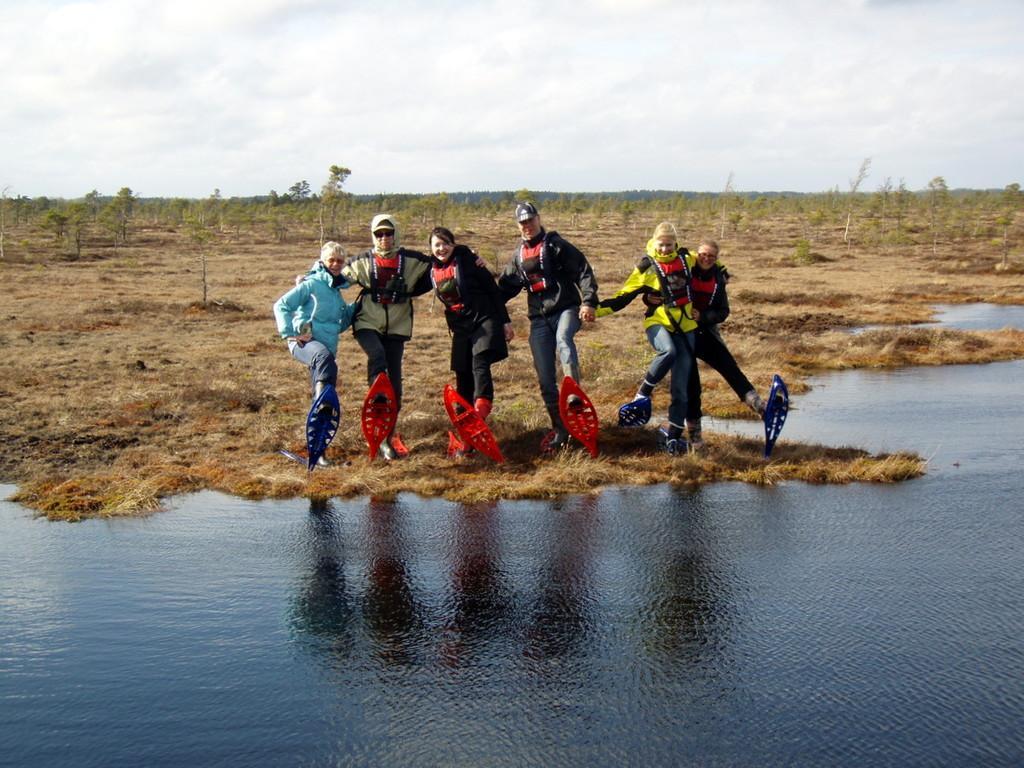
pixel 185 96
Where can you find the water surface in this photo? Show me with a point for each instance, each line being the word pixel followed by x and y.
pixel 734 625
pixel 968 317
pixel 979 317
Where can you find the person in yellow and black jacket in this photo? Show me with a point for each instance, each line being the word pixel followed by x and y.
pixel 711 307
pixel 389 276
pixel 662 278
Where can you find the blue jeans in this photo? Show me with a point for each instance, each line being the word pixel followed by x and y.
pixel 551 336
pixel 674 353
pixel 321 363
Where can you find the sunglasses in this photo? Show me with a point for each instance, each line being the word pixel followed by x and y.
pixel 383 233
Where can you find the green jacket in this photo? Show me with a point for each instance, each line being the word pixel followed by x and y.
pixel 392 318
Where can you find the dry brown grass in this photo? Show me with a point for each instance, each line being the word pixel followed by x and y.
pixel 120 389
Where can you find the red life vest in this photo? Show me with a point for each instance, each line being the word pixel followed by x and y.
pixel 386 281
pixel 674 277
pixel 534 266
pixel 703 289
pixel 445 278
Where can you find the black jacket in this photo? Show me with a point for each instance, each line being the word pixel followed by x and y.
pixel 573 280
pixel 480 296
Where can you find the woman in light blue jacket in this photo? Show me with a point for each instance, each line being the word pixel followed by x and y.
pixel 312 315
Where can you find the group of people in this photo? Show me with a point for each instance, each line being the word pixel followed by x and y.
pixel 684 296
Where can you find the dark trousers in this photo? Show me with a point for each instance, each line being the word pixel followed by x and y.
pixel 712 350
pixel 473 377
pixel 383 355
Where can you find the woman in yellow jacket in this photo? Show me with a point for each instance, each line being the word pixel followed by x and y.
pixel 662 278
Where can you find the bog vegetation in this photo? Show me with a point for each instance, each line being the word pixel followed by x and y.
pixel 140 358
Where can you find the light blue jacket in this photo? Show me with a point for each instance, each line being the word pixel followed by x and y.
pixel 315 300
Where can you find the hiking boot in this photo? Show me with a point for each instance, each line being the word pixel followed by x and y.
pixel 693 435
pixel 326 410
pixel 754 402
pixel 574 402
pixel 465 452
pixel 387 451
pixel 322 462
pixel 676 446
pixel 483 407
pixel 671 439
pixel 458 449
pixel 555 440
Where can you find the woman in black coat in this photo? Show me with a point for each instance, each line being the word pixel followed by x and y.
pixel 476 315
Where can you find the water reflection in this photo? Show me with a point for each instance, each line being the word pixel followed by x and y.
pixel 391 612
pixel 368 584
pixel 686 613
pixel 385 595
pixel 481 602
pixel 560 611
pixel 323 608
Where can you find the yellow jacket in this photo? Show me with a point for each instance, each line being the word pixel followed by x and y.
pixel 644 281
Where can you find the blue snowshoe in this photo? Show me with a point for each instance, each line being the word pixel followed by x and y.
pixel 635 413
pixel 776 409
pixel 321 424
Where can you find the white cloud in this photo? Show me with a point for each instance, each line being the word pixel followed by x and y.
pixel 249 95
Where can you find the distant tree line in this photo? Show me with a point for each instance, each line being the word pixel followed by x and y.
pixel 889 215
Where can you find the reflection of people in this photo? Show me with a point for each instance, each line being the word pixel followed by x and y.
pixel 323 608
pixel 481 602
pixel 390 608
pixel 711 307
pixel 560 615
pixel 390 276
pixel 688 614
pixel 311 316
pixel 561 292
pixel 476 317
pixel 662 277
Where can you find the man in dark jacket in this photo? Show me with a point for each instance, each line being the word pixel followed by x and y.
pixel 561 293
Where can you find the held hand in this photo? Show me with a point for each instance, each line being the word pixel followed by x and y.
pixel 509 332
pixel 696 315
pixel 587 314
